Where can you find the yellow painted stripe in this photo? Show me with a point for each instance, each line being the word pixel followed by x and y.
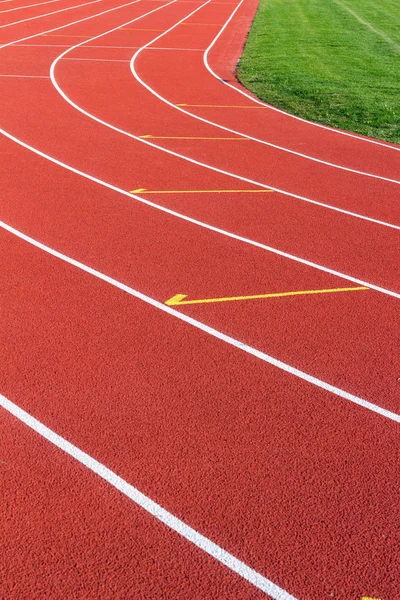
pixel 137 29
pixel 368 598
pixel 64 35
pixel 179 298
pixel 175 137
pixel 145 191
pixel 220 106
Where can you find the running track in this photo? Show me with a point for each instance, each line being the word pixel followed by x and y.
pixel 240 449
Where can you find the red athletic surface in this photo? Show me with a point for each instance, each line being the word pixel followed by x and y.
pixel 295 481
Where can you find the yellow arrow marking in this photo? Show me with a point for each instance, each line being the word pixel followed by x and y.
pixel 174 137
pixel 220 106
pixel 178 299
pixel 144 191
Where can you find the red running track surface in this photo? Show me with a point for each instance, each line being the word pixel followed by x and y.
pixel 266 430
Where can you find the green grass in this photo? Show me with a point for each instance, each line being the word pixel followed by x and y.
pixel 315 59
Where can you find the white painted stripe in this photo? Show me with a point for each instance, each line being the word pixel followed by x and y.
pixel 207 329
pixel 151 507
pixel 28 6
pixel 29 37
pixel 49 14
pixel 174 213
pixel 235 131
pixel 367 24
pixel 182 156
pixel 283 112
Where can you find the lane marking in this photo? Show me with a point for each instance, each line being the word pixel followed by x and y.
pixel 368 598
pixel 186 137
pixel 181 156
pixel 279 110
pixel 29 6
pixel 146 191
pixel 178 299
pixel 234 131
pixel 206 328
pixel 202 224
pixel 367 24
pixel 138 29
pixel 43 33
pixel 146 503
pixel 220 106
pixel 49 14
pixel 172 153
pixel 87 37
pixel 202 119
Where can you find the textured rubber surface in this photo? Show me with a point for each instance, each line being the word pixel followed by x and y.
pixel 295 481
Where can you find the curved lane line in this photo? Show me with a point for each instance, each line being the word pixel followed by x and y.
pixel 182 156
pixel 279 110
pixel 49 14
pixel 174 213
pixel 237 132
pixel 151 507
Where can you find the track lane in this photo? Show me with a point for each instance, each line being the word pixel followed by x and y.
pixel 176 255
pixel 68 533
pixel 106 158
pixel 153 414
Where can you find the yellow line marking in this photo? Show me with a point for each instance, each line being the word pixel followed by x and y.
pixel 63 35
pixel 137 29
pixel 368 598
pixel 175 137
pixel 145 191
pixel 178 299
pixel 220 106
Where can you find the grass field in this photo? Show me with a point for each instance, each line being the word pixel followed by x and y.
pixel 332 61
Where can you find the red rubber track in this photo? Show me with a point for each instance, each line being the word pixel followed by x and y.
pixel 298 483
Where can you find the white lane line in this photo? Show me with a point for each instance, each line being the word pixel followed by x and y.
pixel 367 24
pixel 182 156
pixel 29 6
pixel 27 76
pixel 146 503
pixel 174 213
pixel 49 14
pixel 240 133
pixel 207 329
pixel 29 37
pixel 279 110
